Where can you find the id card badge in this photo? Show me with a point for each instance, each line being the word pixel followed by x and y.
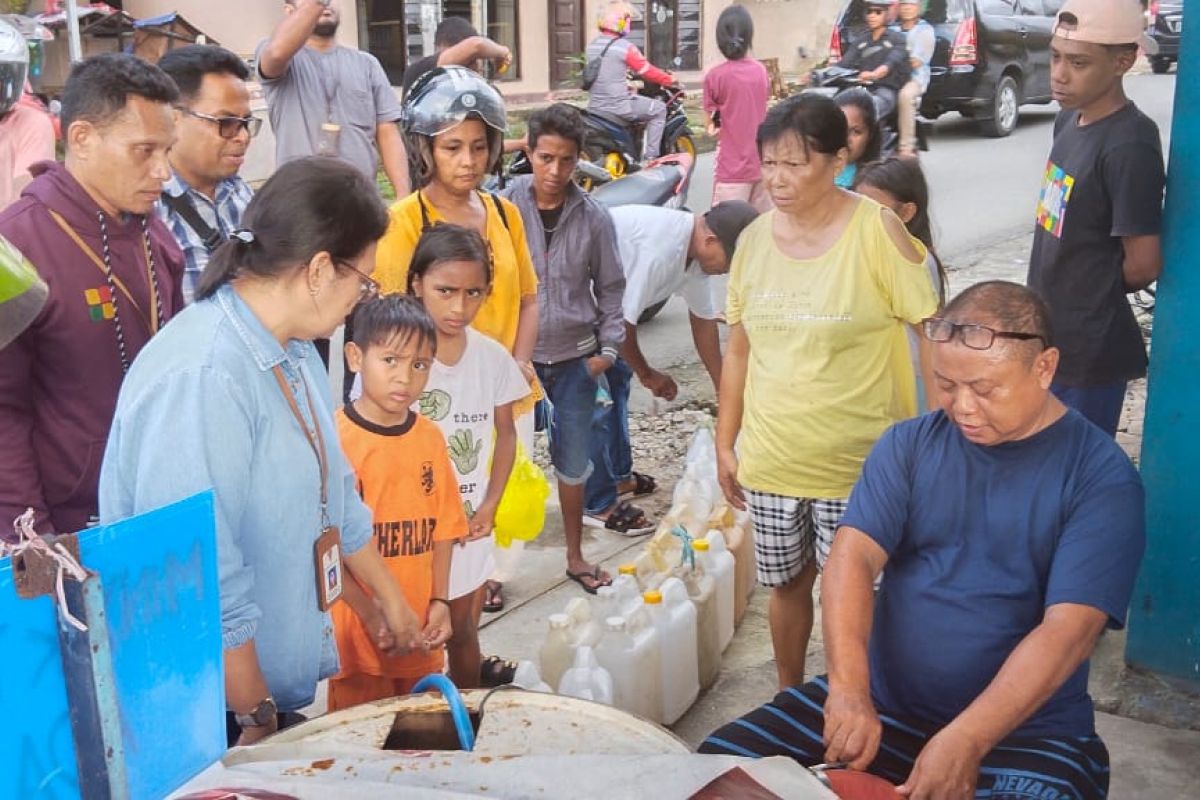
pixel 327 553
pixel 327 143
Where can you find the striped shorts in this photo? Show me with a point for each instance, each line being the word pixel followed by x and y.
pixel 789 532
pixel 1070 768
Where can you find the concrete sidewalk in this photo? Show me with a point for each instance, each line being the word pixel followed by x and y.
pixel 1149 761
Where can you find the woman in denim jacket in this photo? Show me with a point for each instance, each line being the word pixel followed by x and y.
pixel 216 401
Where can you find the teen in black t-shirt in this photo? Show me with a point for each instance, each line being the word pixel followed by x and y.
pixel 1099 219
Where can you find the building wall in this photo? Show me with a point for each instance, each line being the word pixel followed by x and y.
pixel 243 29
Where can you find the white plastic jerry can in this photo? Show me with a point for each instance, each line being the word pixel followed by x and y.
pixel 739 539
pixel 718 562
pixel 558 649
pixel 627 590
pixel 587 679
pixel 585 626
pixel 674 618
pixel 629 651
pixel 702 591
pixel 527 677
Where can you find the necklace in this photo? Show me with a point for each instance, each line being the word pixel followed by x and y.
pixel 152 279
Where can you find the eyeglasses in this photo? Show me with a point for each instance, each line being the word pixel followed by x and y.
pixel 228 127
pixel 368 288
pixel 875 10
pixel 976 337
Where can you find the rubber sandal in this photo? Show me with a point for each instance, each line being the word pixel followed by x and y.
pixel 623 519
pixel 643 484
pixel 594 575
pixel 493 596
pixel 496 671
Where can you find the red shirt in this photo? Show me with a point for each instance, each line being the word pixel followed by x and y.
pixel 739 90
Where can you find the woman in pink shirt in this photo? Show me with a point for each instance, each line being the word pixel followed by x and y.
pixel 735 103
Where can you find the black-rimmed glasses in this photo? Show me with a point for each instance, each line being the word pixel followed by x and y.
pixel 875 10
pixel 369 287
pixel 976 337
pixel 229 127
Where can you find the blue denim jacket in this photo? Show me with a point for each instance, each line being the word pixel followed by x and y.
pixel 201 408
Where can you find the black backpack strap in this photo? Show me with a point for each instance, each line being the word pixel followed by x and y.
pixel 500 210
pixel 181 205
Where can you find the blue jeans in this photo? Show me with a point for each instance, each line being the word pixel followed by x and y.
pixel 572 394
pixel 612 458
pixel 1100 404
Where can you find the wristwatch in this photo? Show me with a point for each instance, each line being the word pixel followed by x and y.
pixel 262 714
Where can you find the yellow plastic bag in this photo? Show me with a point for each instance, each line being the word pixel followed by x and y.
pixel 522 510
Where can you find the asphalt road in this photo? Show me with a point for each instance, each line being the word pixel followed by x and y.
pixel 982 190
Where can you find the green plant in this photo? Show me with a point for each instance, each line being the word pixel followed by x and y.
pixel 14 6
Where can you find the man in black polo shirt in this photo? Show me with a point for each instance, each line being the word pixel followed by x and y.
pixel 1099 217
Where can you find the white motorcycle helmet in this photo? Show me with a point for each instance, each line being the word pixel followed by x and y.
pixel 14 66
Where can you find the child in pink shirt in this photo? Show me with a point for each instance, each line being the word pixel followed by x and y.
pixel 735 103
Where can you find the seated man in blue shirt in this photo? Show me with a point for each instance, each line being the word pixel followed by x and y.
pixel 1009 530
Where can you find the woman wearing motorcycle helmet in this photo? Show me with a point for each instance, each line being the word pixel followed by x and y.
pixel 26 133
pixel 454 125
pixel 609 94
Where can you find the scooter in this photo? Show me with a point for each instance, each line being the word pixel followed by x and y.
pixel 616 144
pixel 832 81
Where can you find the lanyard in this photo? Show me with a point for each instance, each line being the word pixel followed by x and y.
pixel 315 441
pixel 152 321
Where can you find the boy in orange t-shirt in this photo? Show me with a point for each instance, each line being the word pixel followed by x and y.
pixel 404 475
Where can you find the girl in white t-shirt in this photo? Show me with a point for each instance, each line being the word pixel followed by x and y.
pixel 472 387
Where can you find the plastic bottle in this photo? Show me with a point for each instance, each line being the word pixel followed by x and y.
pixel 718 562
pixel 558 650
pixel 585 626
pixel 702 591
pixel 587 679
pixel 674 618
pixel 739 539
pixel 528 677
pixel 628 592
pixel 630 653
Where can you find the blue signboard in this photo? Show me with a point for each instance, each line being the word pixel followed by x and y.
pixel 158 572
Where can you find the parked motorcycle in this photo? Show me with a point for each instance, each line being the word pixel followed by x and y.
pixel 616 144
pixel 833 80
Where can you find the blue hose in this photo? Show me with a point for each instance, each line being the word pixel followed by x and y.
pixel 458 709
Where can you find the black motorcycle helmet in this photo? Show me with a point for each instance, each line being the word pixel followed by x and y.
pixel 14 66
pixel 441 99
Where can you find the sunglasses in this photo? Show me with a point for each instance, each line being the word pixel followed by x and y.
pixel 228 127
pixel 875 10
pixel 976 337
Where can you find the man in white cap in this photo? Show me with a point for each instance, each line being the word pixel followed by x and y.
pixel 1099 217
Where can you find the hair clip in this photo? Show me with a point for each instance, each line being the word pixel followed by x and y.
pixel 243 235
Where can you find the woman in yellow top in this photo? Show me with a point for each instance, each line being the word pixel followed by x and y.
pixel 455 125
pixel 817 365
pixel 454 122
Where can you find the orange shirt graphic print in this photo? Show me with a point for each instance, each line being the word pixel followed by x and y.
pixel 1056 193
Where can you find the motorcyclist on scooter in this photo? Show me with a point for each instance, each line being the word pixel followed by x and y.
pixel 610 94
pixel 881 57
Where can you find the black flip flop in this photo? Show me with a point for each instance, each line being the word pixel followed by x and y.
pixel 594 575
pixel 496 671
pixel 493 596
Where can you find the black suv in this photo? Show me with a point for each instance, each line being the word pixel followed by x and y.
pixel 991 56
pixel 1166 26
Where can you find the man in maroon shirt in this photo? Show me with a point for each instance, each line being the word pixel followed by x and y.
pixel 88 226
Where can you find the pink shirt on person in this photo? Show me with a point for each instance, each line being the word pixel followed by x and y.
pixel 26 137
pixel 739 90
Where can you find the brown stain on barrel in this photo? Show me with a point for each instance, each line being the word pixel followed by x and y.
pixel 323 764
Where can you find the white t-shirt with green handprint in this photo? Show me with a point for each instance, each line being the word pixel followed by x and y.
pixel 462 400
